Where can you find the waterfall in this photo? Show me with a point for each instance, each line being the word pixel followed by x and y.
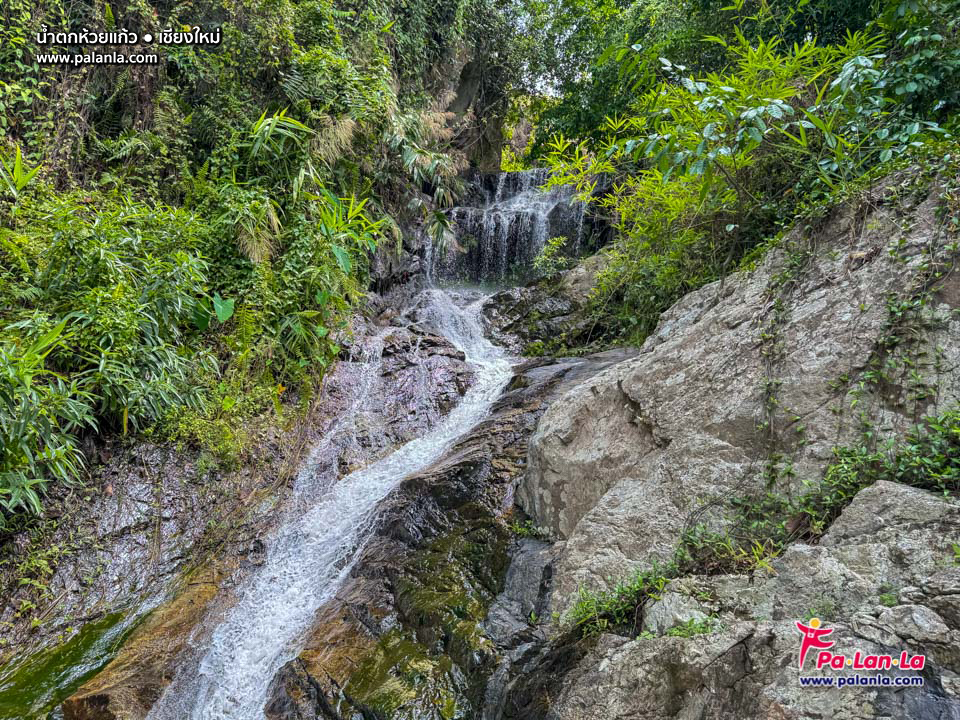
pixel 501 235
pixel 314 549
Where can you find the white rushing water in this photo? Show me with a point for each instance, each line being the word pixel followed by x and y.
pixel 512 225
pixel 314 550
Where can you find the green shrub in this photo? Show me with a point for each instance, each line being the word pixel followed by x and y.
pixel 125 281
pixel 40 414
pixel 618 609
pixel 551 260
pixel 709 163
pixel 693 627
pixel 887 599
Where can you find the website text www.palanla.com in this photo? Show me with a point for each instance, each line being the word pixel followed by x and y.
pixel 858 680
pixel 97 59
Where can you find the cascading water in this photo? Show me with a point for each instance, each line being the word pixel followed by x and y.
pixel 501 236
pixel 314 550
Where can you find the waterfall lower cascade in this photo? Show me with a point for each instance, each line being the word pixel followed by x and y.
pixel 512 220
pixel 315 548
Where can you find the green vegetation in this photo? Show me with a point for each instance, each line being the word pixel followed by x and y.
pixel 693 627
pixel 182 243
pixel 551 259
pixel 887 599
pixel 825 609
pixel 702 147
pixel 527 529
pixel 619 609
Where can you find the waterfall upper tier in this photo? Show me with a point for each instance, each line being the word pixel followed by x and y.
pixel 508 222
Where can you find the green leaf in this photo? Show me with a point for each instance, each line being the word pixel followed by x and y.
pixel 201 316
pixel 223 308
pixel 42 347
pixel 343 258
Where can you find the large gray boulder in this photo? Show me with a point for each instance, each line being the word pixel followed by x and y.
pixel 748 382
pixel 884 578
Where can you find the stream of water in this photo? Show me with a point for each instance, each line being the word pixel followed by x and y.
pixel 503 232
pixel 314 549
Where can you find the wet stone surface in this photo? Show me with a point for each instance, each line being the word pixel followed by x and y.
pixel 151 513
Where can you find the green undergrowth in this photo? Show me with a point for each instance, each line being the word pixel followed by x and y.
pixel 620 609
pixel 693 627
pixel 527 529
pixel 33 566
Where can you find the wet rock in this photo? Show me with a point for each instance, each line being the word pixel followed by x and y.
pixel 523 602
pixel 170 511
pixel 139 673
pixel 406 630
pixel 549 313
pixel 393 266
pixel 433 581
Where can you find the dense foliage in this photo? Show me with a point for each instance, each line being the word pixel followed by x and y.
pixel 701 147
pixel 182 241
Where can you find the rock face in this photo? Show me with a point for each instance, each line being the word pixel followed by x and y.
pixel 886 568
pixel 847 333
pixel 762 368
pixel 393 265
pixel 548 313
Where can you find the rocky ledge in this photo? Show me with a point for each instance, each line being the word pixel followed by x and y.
pixel 760 392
